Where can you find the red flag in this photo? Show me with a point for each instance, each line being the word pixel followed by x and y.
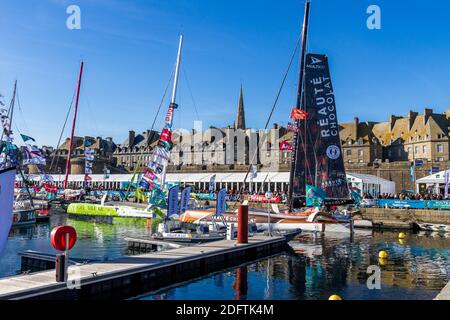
pixel 291 127
pixel 298 114
pixel 50 188
pixel 285 146
pixel 166 135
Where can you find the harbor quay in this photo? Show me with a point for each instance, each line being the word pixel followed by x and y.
pixel 208 160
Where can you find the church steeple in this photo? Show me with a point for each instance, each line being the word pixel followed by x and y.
pixel 240 117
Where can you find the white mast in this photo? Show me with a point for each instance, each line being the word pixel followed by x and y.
pixel 177 71
pixel 173 104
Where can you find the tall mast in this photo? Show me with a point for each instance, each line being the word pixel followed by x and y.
pixel 173 105
pixel 299 100
pixel 11 106
pixel 69 156
pixel 10 112
pixel 177 71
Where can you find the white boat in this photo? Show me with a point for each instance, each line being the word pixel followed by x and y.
pixel 434 227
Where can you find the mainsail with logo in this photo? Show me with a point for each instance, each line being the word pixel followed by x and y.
pixel 319 152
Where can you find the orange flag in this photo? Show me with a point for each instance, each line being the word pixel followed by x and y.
pixel 298 114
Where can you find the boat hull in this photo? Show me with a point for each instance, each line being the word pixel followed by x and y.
pixel 434 227
pixel 109 214
pixel 24 217
pixel 277 222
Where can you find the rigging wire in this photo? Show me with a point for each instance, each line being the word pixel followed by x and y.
pixel 56 155
pixel 273 108
pixel 21 113
pixel 151 130
pixel 190 91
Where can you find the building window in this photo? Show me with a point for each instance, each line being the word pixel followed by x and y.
pixel 360 152
pixel 440 159
pixel 349 152
pixel 424 149
pixel 440 148
pixel 416 149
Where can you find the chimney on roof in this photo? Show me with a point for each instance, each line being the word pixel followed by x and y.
pixel 427 113
pixel 392 120
pixel 412 117
pixel 355 129
pixel 131 137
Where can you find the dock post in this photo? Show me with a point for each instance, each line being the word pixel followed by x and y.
pixel 243 224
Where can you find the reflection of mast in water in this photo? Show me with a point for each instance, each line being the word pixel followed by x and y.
pixel 337 262
pixel 240 285
pixel 267 289
pixel 297 276
pixel 218 280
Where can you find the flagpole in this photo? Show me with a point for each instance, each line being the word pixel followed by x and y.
pixel 69 156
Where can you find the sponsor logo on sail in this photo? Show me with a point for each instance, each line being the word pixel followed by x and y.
pixel 333 152
pixel 314 60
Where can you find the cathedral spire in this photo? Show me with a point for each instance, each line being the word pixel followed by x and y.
pixel 240 117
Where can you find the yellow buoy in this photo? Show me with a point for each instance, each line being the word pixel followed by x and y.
pixel 382 254
pixel 402 235
pixel 382 262
pixel 334 297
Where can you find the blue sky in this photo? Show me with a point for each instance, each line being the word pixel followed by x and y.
pixel 129 48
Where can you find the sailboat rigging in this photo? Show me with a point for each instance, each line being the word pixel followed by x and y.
pixel 296 178
pixel 315 117
pixel 69 155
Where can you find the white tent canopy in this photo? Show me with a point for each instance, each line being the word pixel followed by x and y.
pixel 367 183
pixel 434 182
pixel 275 181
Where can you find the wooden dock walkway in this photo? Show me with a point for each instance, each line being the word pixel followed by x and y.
pixel 130 276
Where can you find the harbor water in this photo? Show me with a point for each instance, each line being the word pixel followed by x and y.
pixel 317 266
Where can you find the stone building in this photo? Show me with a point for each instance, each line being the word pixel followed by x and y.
pixel 387 149
pixel 103 151
pixel 136 150
pixel 417 136
pixel 214 149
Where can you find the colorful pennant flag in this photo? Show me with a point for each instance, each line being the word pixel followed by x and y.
pixel 26 138
pixel 292 127
pixel 88 142
pixel 212 183
pixel 285 146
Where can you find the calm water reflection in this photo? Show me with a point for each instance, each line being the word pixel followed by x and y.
pixel 317 267
pixel 417 268
pixel 95 241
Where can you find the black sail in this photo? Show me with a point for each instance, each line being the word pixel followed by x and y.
pixel 320 160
